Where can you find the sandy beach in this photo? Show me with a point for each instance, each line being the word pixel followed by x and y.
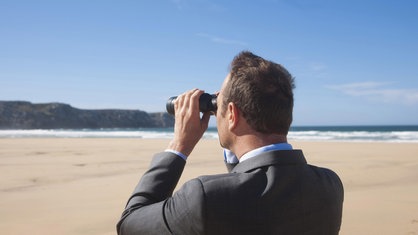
pixel 80 185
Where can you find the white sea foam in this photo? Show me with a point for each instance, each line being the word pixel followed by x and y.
pixel 363 136
pixel 84 134
pixel 309 135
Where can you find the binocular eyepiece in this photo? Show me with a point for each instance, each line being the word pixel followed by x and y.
pixel 207 103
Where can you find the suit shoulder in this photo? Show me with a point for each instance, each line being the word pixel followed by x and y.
pixel 323 170
pixel 328 175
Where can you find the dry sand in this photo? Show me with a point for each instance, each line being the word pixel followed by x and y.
pixel 80 186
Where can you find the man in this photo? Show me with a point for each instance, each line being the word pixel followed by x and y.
pixel 270 188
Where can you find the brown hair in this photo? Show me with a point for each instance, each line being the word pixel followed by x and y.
pixel 263 92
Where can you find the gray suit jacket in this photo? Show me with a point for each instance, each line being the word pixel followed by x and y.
pixel 273 193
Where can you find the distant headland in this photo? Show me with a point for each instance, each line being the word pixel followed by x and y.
pixel 27 115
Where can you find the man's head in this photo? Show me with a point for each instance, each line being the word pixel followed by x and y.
pixel 262 91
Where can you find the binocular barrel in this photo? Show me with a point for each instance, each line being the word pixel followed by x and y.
pixel 207 103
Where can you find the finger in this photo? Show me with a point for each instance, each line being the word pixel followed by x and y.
pixel 182 101
pixel 190 95
pixel 195 96
pixel 178 102
pixel 205 120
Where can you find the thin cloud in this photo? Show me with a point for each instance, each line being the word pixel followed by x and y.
pixel 309 70
pixel 307 4
pixel 180 4
pixel 203 4
pixel 220 40
pixel 317 67
pixel 317 70
pixel 378 91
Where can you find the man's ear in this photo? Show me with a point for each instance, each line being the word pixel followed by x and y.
pixel 233 116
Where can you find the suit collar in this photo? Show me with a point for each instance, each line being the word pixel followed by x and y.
pixel 281 157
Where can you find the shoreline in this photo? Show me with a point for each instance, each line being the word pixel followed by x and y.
pixel 81 185
pixel 386 134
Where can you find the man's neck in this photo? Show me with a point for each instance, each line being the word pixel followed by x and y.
pixel 247 143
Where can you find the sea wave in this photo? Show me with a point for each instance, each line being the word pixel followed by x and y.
pixel 167 133
pixel 101 133
pixel 84 134
pixel 363 136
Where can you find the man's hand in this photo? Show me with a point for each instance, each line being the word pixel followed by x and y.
pixel 188 127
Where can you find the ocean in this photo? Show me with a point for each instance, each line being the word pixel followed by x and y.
pixel 397 134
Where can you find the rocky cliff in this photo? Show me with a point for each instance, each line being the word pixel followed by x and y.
pixel 26 115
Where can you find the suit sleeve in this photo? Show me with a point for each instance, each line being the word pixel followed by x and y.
pixel 152 209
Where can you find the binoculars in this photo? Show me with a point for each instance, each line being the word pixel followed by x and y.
pixel 207 103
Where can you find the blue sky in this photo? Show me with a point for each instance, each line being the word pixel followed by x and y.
pixel 355 62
